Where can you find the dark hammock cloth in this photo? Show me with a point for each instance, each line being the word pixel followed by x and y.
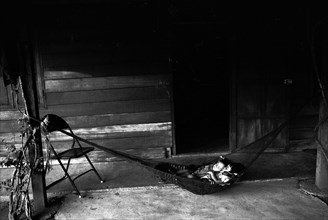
pixel 163 170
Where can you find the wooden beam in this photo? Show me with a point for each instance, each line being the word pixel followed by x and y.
pixel 321 178
pixel 31 105
pixel 233 94
pixel 112 82
pixel 37 58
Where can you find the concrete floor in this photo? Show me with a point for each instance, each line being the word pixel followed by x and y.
pixel 251 200
pixel 268 190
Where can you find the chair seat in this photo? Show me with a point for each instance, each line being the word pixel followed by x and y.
pixel 50 123
pixel 75 152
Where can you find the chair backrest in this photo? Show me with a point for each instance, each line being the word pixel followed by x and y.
pixel 51 122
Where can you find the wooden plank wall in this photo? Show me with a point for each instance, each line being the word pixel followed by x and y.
pixel 261 107
pixel 302 128
pixel 129 113
pixel 117 99
pixel 112 91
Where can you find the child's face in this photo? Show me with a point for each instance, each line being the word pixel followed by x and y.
pixel 218 166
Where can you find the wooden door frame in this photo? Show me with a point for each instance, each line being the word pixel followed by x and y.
pixel 232 94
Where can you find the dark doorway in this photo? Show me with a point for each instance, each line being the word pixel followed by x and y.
pixel 201 91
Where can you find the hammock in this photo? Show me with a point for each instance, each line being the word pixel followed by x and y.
pixel 163 170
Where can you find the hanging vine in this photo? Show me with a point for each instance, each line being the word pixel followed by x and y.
pixel 18 185
pixel 24 166
pixel 23 160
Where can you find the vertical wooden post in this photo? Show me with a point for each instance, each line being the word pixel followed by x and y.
pixel 31 105
pixel 321 177
pixel 233 93
pixel 166 28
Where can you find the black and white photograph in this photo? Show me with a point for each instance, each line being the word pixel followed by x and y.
pixel 163 109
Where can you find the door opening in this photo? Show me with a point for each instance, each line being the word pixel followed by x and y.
pixel 201 94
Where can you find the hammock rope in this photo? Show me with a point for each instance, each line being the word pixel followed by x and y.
pixel 160 169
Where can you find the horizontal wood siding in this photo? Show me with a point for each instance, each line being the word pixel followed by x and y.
pixel 302 128
pixel 261 107
pixel 115 69
pixel 114 93
pixel 128 113
pixel 61 98
pixel 96 83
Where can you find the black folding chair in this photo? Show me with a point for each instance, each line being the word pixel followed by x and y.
pixel 52 123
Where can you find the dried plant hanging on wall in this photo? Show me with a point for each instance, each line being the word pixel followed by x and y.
pixel 18 185
pixel 18 157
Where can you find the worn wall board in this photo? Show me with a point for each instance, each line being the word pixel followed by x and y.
pixel 261 107
pixel 113 88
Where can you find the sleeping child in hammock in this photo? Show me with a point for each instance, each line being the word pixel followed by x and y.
pixel 222 171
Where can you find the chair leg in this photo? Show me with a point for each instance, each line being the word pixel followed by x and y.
pixel 61 179
pixel 94 169
pixel 69 178
pixel 66 173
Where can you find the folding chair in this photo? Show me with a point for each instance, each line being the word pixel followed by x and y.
pixel 52 123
